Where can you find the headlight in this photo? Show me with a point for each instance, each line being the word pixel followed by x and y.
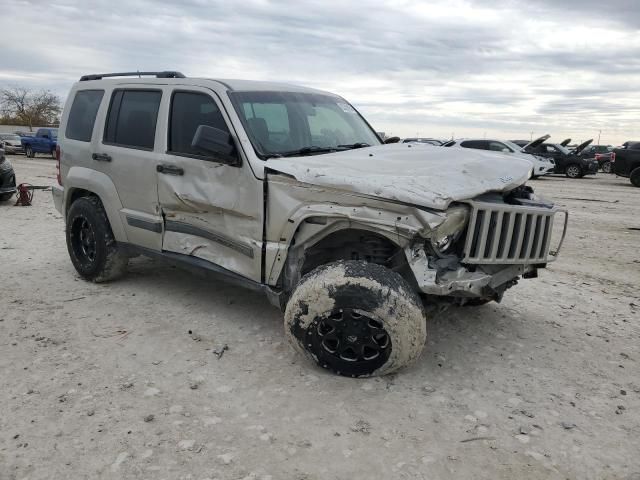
pixel 445 234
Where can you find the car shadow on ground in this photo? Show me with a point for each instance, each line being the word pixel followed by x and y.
pixel 464 333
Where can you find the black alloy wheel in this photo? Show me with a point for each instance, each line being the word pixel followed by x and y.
pixel 83 240
pixel 349 341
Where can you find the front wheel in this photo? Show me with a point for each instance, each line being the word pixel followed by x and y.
pixel 606 167
pixel 635 177
pixel 90 242
pixel 5 196
pixel 356 319
pixel 28 150
pixel 574 171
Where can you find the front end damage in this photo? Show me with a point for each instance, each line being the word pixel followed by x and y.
pixel 472 249
pixel 491 242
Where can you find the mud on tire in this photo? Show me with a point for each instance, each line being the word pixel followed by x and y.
pixel 356 319
pixel 90 242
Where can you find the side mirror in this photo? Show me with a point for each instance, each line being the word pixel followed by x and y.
pixel 216 142
pixel 392 140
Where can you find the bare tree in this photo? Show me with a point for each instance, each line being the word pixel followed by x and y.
pixel 30 107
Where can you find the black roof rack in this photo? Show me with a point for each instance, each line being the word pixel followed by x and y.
pixel 100 76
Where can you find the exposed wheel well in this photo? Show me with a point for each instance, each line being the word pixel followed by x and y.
pixel 351 244
pixel 77 193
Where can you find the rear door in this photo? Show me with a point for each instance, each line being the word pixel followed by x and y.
pixel 212 210
pixel 128 154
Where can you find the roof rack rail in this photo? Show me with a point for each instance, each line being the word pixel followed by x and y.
pixel 100 76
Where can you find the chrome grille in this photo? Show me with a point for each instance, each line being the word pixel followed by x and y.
pixel 508 234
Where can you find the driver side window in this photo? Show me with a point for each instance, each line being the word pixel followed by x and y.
pixel 189 110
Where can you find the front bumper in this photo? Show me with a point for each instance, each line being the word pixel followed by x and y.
pixel 503 242
pixel 57 192
pixel 545 169
pixel 13 149
pixel 592 167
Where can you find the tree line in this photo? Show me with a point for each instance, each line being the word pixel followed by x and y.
pixel 29 108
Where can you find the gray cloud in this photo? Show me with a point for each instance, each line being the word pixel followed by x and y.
pixel 502 65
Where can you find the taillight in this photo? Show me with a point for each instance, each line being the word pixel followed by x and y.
pixel 58 155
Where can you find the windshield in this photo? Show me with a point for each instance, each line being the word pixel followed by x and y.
pixel 9 136
pixel 288 123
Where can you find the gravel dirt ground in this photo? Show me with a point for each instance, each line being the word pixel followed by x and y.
pixel 167 375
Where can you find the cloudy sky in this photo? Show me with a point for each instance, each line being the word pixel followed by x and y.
pixel 504 68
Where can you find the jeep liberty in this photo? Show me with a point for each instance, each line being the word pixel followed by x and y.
pixel 289 191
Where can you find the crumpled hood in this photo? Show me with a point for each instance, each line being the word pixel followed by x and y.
pixel 421 175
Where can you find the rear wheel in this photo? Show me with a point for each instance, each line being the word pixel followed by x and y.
pixel 90 242
pixel 573 171
pixel 635 177
pixel 356 319
pixel 606 167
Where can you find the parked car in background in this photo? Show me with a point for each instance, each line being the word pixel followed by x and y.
pixel 430 141
pixel 568 162
pixel 7 178
pixel 10 142
pixel 602 153
pixel 626 162
pixel 540 165
pixel 44 141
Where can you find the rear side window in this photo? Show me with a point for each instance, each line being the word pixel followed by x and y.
pixel 189 110
pixel 132 118
pixel 83 113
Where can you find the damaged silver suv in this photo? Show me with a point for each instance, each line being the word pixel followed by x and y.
pixel 289 191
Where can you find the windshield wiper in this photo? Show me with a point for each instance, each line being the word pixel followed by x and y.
pixel 355 145
pixel 310 151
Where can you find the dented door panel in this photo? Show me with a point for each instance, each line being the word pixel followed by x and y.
pixel 212 210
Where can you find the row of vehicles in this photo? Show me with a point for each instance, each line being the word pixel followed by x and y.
pixel 44 141
pixel 574 161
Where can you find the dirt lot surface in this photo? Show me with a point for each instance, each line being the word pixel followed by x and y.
pixel 130 380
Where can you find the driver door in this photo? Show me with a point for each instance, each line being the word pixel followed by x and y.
pixel 211 210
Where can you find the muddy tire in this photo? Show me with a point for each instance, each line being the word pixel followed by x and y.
pixel 573 171
pixel 635 177
pixel 606 167
pixel 356 319
pixel 90 242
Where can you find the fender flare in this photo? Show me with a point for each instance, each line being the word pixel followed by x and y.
pixel 98 183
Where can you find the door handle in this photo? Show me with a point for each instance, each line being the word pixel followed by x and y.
pixel 170 170
pixel 101 157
